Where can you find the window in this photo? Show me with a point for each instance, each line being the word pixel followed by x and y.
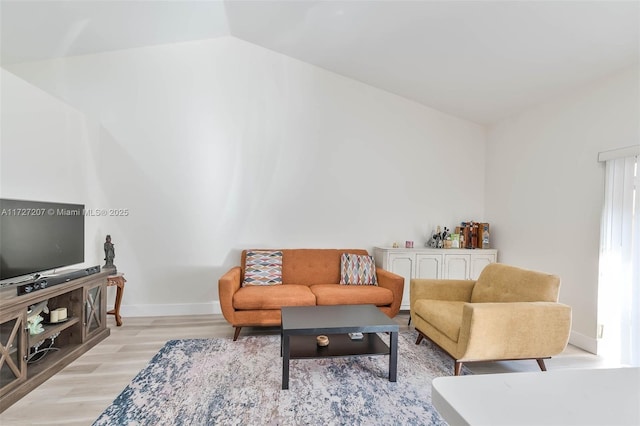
pixel 619 281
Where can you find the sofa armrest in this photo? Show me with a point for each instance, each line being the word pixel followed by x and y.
pixel 514 330
pixel 453 290
pixel 228 285
pixel 395 283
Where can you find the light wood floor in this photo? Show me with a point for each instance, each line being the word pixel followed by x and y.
pixel 79 393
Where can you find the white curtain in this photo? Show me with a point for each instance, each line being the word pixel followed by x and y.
pixel 619 284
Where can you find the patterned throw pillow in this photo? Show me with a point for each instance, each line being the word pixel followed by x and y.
pixel 357 269
pixel 263 268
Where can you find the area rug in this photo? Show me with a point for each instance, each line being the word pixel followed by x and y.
pixel 222 382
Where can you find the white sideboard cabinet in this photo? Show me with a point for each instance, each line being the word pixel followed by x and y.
pixel 456 264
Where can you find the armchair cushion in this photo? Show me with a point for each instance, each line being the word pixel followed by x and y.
pixel 505 283
pixel 444 315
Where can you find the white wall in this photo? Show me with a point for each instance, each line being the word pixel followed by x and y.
pixel 545 187
pixel 219 145
pixel 47 154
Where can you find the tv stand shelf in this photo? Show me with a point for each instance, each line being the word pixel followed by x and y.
pixel 51 330
pixel 22 369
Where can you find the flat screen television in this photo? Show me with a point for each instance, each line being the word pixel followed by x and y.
pixel 38 236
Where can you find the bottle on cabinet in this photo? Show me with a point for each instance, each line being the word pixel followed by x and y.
pixel 485 236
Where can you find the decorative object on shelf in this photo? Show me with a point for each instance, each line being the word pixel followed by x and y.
pixel 34 325
pixel 322 340
pixel 34 319
pixel 408 244
pixel 473 235
pixel 396 245
pixel 485 236
pixel 58 315
pixel 438 238
pixel 109 254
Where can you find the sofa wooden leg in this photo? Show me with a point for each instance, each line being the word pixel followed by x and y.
pixel 541 364
pixel 236 333
pixel 457 368
pixel 419 339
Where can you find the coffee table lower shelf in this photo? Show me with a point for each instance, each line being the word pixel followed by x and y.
pixel 340 345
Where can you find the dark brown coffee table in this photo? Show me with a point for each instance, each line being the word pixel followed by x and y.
pixel 301 325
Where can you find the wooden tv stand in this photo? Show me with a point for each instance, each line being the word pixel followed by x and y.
pixel 20 370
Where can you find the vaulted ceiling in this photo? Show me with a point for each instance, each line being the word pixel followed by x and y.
pixel 478 60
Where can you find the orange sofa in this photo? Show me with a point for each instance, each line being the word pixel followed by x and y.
pixel 309 277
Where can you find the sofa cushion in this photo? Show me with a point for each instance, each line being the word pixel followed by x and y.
pixel 335 294
pixel 357 269
pixel 444 315
pixel 263 267
pixel 273 297
pixel 504 283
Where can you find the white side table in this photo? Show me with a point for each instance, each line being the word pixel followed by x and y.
pixel 560 397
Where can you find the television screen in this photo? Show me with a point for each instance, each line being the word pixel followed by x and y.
pixel 39 236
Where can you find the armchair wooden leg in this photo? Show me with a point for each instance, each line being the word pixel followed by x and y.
pixel 457 368
pixel 236 333
pixel 419 339
pixel 541 364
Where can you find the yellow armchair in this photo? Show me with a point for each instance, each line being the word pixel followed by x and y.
pixel 509 313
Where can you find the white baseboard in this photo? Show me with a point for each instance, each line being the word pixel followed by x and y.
pixel 581 341
pixel 170 309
